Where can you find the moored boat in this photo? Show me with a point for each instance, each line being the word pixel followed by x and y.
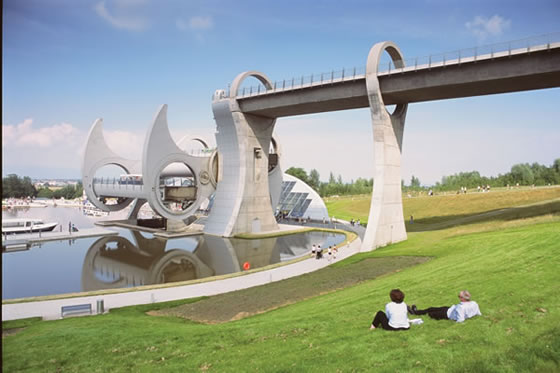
pixel 26 225
pixel 90 210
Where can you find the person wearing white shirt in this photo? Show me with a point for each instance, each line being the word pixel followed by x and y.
pixel 466 309
pixel 395 316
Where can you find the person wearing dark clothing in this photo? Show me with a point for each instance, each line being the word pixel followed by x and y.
pixel 458 312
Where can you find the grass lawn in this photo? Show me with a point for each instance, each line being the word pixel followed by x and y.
pixel 442 208
pixel 510 266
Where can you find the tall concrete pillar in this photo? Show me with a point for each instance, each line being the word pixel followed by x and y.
pixel 242 200
pixel 386 220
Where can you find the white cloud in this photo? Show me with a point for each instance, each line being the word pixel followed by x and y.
pixel 482 26
pixel 24 135
pixel 51 147
pixel 59 146
pixel 124 20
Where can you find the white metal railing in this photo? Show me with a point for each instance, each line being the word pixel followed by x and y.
pixel 387 67
pixel 117 183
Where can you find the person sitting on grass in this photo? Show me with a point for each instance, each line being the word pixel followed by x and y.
pixel 395 316
pixel 466 309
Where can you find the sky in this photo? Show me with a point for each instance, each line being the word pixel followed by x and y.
pixel 66 63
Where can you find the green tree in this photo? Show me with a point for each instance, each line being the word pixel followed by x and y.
pixel 299 173
pixel 45 193
pixel 314 181
pixel 556 165
pixel 332 180
pixel 15 187
pixel 414 182
pixel 522 174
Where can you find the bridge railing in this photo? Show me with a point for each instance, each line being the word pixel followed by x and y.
pixel 387 67
pixel 116 183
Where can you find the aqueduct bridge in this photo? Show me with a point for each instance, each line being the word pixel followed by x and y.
pixel 245 119
pixel 534 67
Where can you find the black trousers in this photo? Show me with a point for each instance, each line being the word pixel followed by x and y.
pixel 438 313
pixel 381 319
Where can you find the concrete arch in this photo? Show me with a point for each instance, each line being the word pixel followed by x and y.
pixel 244 75
pixel 160 150
pixel 201 141
pixel 97 154
pixel 386 221
pixel 372 69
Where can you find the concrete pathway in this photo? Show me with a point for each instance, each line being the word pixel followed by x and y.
pixel 50 309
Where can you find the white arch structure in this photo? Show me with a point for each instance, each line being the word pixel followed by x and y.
pixel 159 151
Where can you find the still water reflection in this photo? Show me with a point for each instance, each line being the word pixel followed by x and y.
pixel 133 259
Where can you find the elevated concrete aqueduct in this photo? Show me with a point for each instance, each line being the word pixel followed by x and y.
pixel 245 122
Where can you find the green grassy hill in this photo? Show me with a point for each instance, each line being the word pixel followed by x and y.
pixel 440 208
pixel 508 261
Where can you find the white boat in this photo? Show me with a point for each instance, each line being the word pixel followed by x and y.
pixel 90 210
pixel 26 225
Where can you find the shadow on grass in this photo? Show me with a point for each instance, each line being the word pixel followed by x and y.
pixel 243 303
pixel 511 213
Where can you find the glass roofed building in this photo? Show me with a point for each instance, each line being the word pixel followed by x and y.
pixel 299 200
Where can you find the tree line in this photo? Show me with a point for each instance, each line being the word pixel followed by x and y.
pixel 14 186
pixel 335 186
pixel 522 174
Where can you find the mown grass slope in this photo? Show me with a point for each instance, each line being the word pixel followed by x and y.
pixel 442 208
pixel 510 267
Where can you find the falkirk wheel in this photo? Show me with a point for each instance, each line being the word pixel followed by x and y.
pixel 173 182
pixel 243 176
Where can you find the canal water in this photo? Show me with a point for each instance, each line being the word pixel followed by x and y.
pixel 135 258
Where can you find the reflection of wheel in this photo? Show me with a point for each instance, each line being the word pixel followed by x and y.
pixel 178 270
pixel 178 265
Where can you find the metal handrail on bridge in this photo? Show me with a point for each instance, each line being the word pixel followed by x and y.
pixel 117 183
pixel 485 52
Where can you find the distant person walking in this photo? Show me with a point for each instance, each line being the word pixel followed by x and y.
pixel 458 312
pixel 313 250
pixel 319 252
pixel 70 227
pixel 395 316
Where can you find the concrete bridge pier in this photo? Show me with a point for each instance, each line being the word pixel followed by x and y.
pixel 386 220
pixel 242 201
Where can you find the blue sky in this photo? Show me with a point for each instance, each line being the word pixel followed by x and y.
pixel 67 63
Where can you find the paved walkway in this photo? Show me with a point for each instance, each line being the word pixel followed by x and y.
pixel 50 309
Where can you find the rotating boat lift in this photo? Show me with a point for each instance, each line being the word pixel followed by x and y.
pixel 148 180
